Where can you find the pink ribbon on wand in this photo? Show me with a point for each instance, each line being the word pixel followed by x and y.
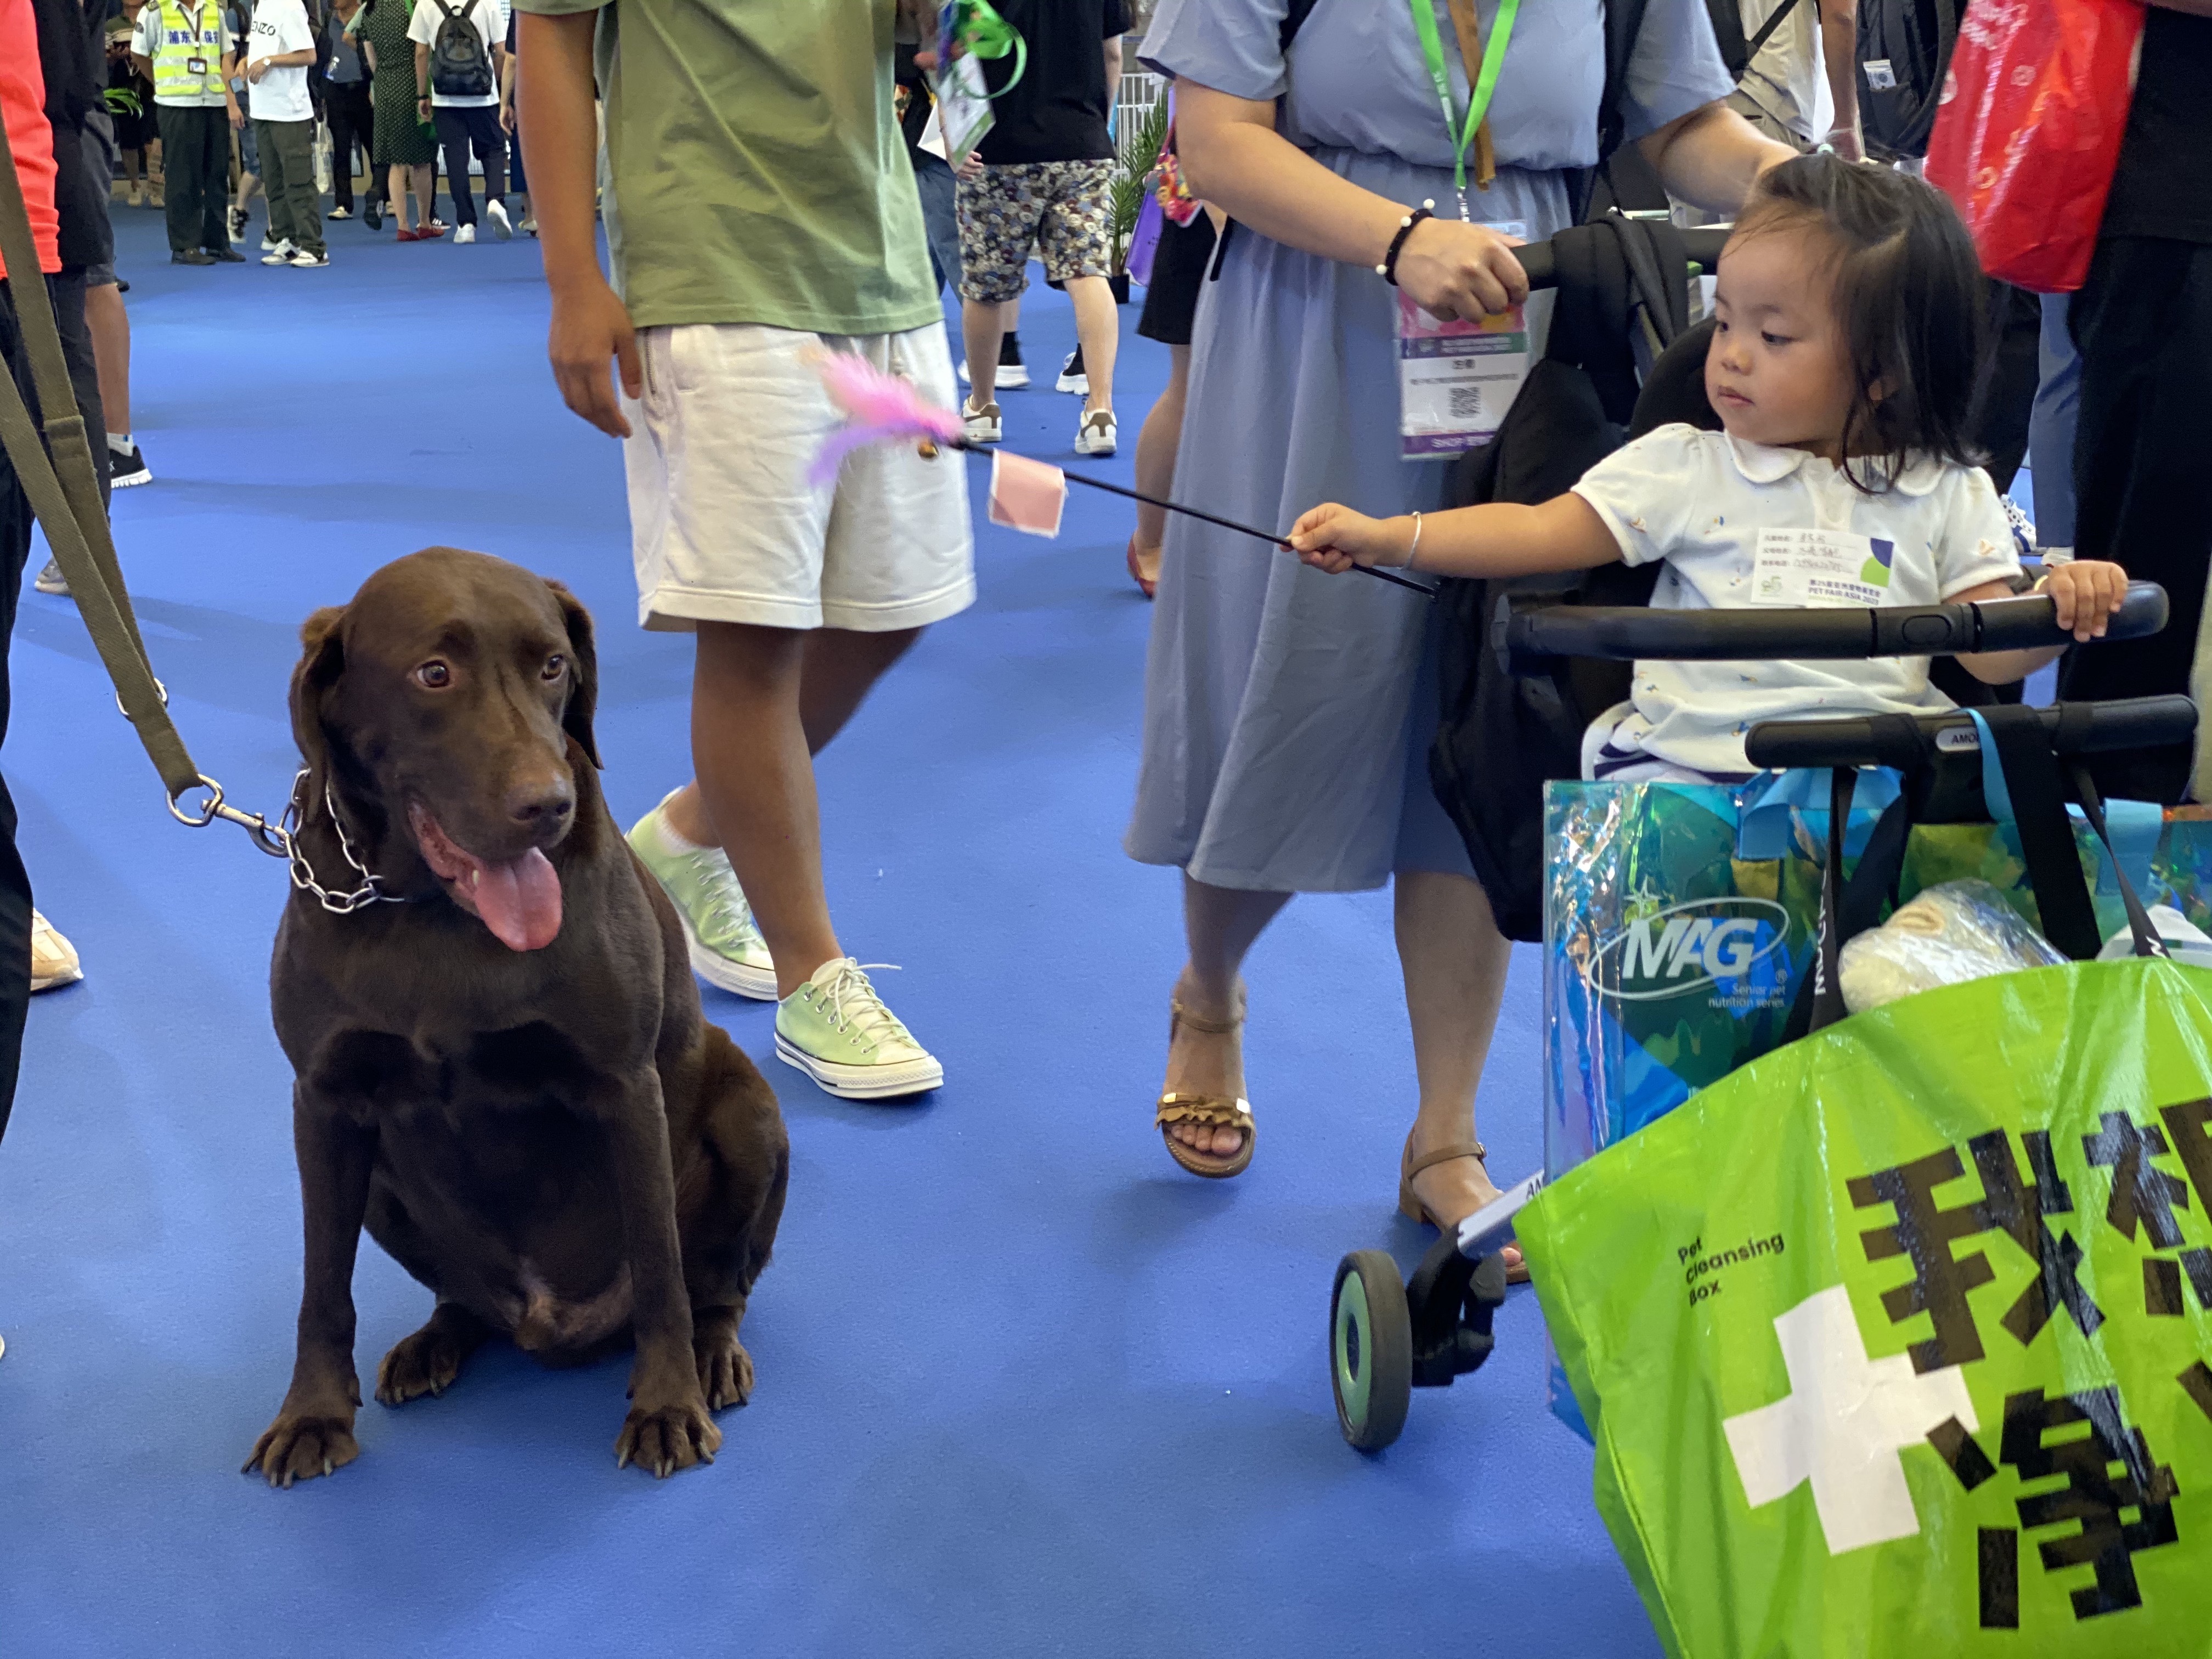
pixel 881 408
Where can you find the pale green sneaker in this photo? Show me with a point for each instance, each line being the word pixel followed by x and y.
pixel 835 1029
pixel 726 946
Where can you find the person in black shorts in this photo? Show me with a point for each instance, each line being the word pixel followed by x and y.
pixel 1179 269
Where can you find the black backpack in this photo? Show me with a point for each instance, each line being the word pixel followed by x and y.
pixel 459 65
pixel 1501 736
pixel 1737 51
pixel 1904 53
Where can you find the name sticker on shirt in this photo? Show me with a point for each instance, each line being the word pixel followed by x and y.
pixel 1801 568
pixel 1456 379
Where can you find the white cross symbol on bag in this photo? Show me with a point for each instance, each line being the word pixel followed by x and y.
pixel 1844 1426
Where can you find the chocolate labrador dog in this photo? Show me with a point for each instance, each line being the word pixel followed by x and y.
pixel 500 1067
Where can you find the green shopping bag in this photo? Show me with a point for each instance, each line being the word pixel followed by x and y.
pixel 1896 1340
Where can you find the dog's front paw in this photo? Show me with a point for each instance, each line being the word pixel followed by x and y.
pixel 669 1437
pixel 425 1362
pixel 725 1370
pixel 299 1445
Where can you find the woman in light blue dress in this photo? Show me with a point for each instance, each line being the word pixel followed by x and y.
pixel 1287 714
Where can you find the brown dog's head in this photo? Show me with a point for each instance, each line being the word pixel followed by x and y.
pixel 441 704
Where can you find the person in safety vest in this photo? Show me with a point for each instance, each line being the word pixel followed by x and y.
pixel 186 49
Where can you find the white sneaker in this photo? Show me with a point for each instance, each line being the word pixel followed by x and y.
pixel 50 580
pixel 1095 435
pixel 280 254
pixel 502 226
pixel 53 958
pixel 984 425
pixel 269 244
pixel 465 234
pixel 308 261
pixel 1072 377
pixel 1013 373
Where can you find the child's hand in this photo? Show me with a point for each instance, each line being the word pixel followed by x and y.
pixel 2086 591
pixel 1333 538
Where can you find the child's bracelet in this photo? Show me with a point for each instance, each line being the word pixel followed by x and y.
pixel 1415 547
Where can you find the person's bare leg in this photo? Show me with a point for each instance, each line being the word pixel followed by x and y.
pixel 1219 925
pixel 1156 460
pixel 1098 331
pixel 836 668
pixel 1455 960
pixel 755 784
pixel 842 666
pixel 426 194
pixel 395 186
pixel 109 324
pixel 981 330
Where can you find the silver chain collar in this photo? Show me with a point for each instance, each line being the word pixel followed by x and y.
pixel 371 891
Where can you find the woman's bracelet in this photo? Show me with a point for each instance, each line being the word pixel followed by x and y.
pixel 1388 270
pixel 1416 546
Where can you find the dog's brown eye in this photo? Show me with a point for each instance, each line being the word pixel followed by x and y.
pixel 435 675
pixel 556 665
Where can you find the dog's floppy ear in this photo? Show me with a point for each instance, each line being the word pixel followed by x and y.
pixel 322 659
pixel 583 658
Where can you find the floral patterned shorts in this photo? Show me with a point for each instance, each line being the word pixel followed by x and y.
pixel 1059 206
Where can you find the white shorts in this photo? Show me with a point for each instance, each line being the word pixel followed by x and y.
pixel 724 527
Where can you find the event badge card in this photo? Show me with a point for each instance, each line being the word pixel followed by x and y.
pixel 1456 379
pixel 963 107
pixel 1801 567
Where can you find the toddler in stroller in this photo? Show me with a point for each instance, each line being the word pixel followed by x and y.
pixel 1842 369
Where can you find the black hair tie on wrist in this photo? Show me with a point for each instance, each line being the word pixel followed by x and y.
pixel 1388 270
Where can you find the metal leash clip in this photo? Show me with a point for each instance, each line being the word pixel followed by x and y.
pixel 272 838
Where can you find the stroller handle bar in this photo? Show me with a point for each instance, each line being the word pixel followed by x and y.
pixel 1702 246
pixel 2076 728
pixel 1528 628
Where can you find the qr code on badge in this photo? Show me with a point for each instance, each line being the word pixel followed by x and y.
pixel 1466 403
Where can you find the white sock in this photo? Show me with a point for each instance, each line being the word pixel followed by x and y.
pixel 670 842
pixel 119 442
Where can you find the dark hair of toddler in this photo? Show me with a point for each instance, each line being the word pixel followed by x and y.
pixel 1908 293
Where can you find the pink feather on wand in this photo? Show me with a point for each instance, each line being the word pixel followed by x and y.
pixel 880 408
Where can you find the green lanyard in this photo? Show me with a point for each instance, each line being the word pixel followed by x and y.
pixel 1484 83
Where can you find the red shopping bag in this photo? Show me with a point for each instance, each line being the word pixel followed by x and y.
pixel 2032 110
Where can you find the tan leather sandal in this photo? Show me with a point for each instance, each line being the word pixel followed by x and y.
pixel 1214 1111
pixel 1410 1203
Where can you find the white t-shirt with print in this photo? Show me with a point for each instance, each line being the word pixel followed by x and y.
pixel 1700 501
pixel 281 94
pixel 488 17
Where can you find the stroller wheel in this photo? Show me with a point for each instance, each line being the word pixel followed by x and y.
pixel 1370 1349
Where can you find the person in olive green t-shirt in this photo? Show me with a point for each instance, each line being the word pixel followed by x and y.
pixel 761 208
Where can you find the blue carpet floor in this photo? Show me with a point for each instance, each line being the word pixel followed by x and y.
pixel 1023 1388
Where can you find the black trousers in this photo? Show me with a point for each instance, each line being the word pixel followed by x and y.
pixel 352 116
pixel 195 163
pixel 2144 325
pixel 2006 395
pixel 458 131
pixel 14 881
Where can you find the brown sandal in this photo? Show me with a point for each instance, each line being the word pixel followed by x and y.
pixel 1409 1201
pixel 1215 1111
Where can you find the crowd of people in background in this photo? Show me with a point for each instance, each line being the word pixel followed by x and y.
pixel 218 102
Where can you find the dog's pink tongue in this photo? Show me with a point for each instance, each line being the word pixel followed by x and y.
pixel 520 901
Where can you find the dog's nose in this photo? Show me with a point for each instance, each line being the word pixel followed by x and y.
pixel 542 805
